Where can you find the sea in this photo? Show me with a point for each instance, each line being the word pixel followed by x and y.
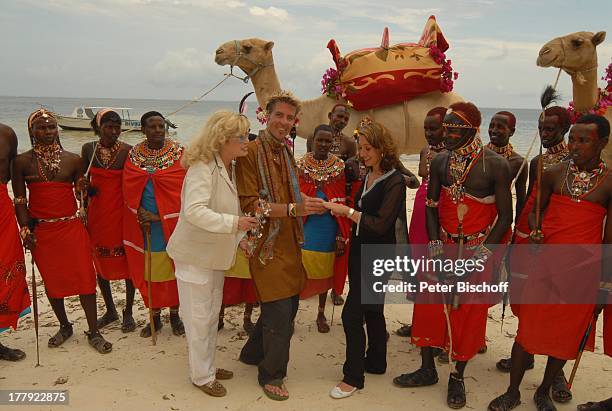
pixel 14 112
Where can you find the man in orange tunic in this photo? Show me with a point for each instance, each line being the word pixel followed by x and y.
pixel 582 188
pixel 106 158
pixel 14 296
pixel 152 181
pixel 475 176
pixel 51 228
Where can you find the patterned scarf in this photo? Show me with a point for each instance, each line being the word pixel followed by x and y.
pixel 269 151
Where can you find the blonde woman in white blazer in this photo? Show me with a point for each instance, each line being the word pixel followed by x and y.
pixel 209 230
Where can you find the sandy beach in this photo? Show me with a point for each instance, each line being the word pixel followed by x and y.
pixel 137 376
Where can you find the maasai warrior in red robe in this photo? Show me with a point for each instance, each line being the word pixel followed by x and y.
pixel 105 159
pixel 321 175
pixel 553 127
pixel 471 175
pixel 14 296
pixel 417 232
pixel 152 182
pixel 51 228
pixel 580 188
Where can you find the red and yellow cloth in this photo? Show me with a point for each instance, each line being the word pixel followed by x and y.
pixel 63 249
pixel 105 224
pixel 167 184
pixel 14 295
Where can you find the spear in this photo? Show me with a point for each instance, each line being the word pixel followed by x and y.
pixel 583 343
pixel 149 282
pixel 35 305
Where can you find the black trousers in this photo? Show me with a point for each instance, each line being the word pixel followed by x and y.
pixel 268 345
pixel 358 359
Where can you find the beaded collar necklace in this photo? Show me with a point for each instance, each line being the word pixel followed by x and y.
pixel 461 162
pixel 107 155
pixel 554 154
pixel 320 170
pixel 151 160
pixel 430 152
pixel 581 182
pixel 48 158
pixel 505 151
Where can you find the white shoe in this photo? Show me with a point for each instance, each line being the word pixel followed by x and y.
pixel 337 393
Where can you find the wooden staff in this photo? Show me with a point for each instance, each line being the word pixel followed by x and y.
pixel 35 305
pixel 583 343
pixel 462 210
pixel 149 282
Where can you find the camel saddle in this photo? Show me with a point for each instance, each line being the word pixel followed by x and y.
pixel 385 75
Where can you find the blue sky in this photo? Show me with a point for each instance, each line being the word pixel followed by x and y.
pixel 164 48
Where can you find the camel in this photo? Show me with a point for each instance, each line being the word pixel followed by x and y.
pixel 404 121
pixel 576 54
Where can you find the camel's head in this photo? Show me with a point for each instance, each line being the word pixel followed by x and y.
pixel 573 52
pixel 248 54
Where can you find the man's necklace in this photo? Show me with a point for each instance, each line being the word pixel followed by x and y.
pixel 554 155
pixel 107 155
pixel 461 162
pixel 150 159
pixel 48 158
pixel 582 180
pixel 505 151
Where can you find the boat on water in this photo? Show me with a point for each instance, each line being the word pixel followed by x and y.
pixel 81 117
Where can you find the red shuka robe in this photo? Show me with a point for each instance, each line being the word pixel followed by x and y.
pixel 105 224
pixel 14 295
pixel 335 191
pixel 469 321
pixel 167 185
pixel 607 330
pixel 63 249
pixel 557 329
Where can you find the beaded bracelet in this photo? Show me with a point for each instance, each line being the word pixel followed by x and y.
pixel 24 232
pixel 20 201
pixel 431 203
pixel 435 248
pixel 482 253
pixel 292 210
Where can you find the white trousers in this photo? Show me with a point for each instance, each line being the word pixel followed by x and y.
pixel 200 305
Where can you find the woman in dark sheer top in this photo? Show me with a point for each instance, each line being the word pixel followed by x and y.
pixel 378 204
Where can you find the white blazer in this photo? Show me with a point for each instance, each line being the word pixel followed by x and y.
pixel 206 235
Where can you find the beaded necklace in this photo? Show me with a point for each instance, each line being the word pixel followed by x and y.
pixel 336 144
pixel 505 151
pixel 581 183
pixel 554 154
pixel 461 162
pixel 430 152
pixel 48 158
pixel 150 159
pixel 320 171
pixel 107 156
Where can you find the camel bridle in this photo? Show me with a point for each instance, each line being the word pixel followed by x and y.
pixel 240 55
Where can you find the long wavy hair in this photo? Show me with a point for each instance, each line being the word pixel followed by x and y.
pixel 379 137
pixel 219 128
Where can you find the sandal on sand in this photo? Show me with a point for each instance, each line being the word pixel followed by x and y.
pixel 99 343
pixel 106 319
pixel 222 374
pixel 146 331
pixel 483 349
pixel 322 325
pixel 178 328
pixel 594 406
pixel 404 331
pixel 505 364
pixel 455 398
pixel 271 394
pixel 213 388
pixel 61 336
pixel 128 325
pixel 560 392
pixel 504 402
pixel 11 354
pixel 443 357
pixel 420 378
pixel 247 325
pixel 543 402
pixel 336 299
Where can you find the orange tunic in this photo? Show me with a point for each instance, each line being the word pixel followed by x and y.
pixel 63 249
pixel 553 329
pixel 14 296
pixel 469 321
pixel 105 224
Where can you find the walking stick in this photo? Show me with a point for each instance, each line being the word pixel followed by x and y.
pixel 583 343
pixel 35 305
pixel 149 282
pixel 462 210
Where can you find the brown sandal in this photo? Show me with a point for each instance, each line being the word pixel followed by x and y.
pixel 222 374
pixel 322 325
pixel 213 388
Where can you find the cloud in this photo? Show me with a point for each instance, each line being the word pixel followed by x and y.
pixel 270 12
pixel 183 68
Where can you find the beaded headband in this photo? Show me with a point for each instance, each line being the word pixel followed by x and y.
pixel 40 113
pixel 462 116
pixel 101 114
